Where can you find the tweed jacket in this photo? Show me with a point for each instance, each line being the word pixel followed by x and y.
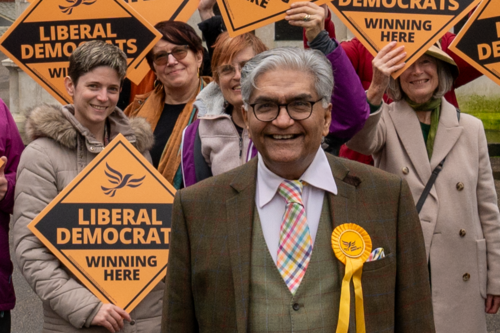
pixel 460 218
pixel 209 261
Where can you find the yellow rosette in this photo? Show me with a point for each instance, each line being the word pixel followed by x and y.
pixel 352 246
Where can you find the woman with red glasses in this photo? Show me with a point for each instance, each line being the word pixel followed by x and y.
pixel 176 60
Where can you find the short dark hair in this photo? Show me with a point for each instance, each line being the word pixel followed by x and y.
pixel 96 53
pixel 178 33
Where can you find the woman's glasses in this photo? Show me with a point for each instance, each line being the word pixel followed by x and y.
pixel 178 52
pixel 230 70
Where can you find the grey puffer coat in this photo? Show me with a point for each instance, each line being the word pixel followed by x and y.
pixel 62 148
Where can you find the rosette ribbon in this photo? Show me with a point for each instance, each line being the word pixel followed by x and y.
pixel 352 246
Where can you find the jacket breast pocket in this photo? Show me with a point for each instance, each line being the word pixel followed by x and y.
pixel 378 264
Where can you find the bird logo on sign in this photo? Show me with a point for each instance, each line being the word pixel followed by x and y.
pixel 116 178
pixel 75 3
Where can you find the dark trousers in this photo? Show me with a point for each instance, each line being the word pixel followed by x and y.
pixel 4 321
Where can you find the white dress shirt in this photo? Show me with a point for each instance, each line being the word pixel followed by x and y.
pixel 271 205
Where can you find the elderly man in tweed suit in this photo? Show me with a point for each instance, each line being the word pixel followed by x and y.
pixel 250 249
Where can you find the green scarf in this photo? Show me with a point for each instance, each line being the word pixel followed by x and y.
pixel 435 106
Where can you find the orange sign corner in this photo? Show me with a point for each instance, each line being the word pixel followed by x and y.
pixel 478 42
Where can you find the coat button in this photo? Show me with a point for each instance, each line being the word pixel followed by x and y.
pixel 460 186
pixel 405 170
pixel 132 322
pixel 466 277
pixel 296 306
pixel 91 148
pixel 463 233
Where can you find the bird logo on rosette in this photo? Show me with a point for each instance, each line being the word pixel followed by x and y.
pixel 116 178
pixel 350 246
pixel 75 3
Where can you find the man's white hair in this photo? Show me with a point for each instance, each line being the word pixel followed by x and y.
pixel 310 62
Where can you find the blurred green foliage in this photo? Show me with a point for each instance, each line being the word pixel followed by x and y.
pixel 485 108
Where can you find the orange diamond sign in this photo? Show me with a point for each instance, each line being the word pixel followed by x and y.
pixel 241 16
pixel 155 11
pixel 415 23
pixel 478 42
pixel 111 225
pixel 44 36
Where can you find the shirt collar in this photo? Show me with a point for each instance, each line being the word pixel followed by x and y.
pixel 318 174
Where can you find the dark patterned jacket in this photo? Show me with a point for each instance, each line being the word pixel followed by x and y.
pixel 209 262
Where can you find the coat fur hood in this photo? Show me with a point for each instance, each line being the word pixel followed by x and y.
pixel 59 123
pixel 210 101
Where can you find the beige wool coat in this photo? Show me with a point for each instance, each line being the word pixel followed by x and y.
pixel 460 218
pixel 61 149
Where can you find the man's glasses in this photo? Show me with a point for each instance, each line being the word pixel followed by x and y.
pixel 178 52
pixel 230 70
pixel 297 110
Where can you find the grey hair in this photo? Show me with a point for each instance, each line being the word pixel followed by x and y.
pixel 96 53
pixel 445 83
pixel 311 62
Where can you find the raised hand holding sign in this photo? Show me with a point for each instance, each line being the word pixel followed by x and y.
pixel 244 16
pixel 416 24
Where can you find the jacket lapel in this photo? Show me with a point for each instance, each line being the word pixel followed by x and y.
pixel 240 210
pixel 409 132
pixel 343 209
pixel 342 205
pixel 448 132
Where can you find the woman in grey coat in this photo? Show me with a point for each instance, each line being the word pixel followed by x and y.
pixel 65 140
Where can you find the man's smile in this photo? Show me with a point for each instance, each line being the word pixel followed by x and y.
pixel 284 136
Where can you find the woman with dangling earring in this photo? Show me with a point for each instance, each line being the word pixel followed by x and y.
pixel 176 60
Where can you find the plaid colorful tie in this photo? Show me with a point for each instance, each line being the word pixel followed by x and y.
pixel 295 246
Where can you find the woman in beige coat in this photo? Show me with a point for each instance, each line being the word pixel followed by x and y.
pixel 460 218
pixel 65 140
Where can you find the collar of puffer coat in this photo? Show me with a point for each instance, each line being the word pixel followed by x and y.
pixel 59 123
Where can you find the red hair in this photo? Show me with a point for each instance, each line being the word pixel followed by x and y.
pixel 225 48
